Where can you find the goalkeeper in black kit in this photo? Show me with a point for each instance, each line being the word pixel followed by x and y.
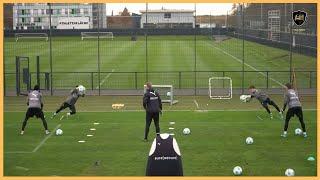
pixel 71 100
pixel 264 99
pixel 291 100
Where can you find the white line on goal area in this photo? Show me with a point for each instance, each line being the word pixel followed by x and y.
pixel 196 103
pixel 45 139
pixel 38 146
pixel 240 61
pixel 105 78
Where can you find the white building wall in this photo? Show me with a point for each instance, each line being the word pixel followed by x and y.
pixel 176 17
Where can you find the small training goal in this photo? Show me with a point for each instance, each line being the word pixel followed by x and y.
pixel 220 88
pixel 166 93
pixel 19 36
pixel 96 35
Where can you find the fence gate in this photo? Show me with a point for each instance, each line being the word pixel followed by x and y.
pixel 23 84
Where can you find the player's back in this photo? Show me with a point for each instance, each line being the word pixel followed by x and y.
pixel 164 157
pixel 34 99
pixel 293 99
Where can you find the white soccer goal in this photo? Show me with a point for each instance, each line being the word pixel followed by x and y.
pixel 94 35
pixel 166 93
pixel 31 36
pixel 220 88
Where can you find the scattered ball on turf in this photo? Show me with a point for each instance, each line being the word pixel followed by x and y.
pixel 59 132
pixel 169 93
pixel 249 140
pixel 289 172
pixel 237 171
pixel 298 131
pixel 186 131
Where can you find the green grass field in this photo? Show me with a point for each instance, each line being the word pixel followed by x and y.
pixel 167 55
pixel 216 143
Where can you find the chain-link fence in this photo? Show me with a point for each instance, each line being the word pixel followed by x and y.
pixel 115 48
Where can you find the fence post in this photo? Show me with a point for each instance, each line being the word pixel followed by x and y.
pixel 136 79
pixel 267 79
pixel 179 79
pixel 92 80
pixel 310 79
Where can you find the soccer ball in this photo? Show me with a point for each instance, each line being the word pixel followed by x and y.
pixel 237 171
pixel 82 89
pixel 298 131
pixel 289 172
pixel 186 131
pixel 59 132
pixel 244 98
pixel 168 93
pixel 249 140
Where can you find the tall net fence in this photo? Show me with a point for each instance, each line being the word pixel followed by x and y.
pixel 115 48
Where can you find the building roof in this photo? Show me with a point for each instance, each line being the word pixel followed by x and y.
pixel 167 11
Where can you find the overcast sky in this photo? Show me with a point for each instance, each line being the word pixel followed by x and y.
pixel 202 8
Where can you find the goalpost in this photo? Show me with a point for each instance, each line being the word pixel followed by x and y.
pixel 165 91
pixel 31 36
pixel 220 88
pixel 94 35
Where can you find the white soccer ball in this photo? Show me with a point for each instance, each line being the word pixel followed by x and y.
pixel 186 131
pixel 168 93
pixel 59 132
pixel 249 140
pixel 244 98
pixel 237 171
pixel 289 172
pixel 298 131
pixel 82 89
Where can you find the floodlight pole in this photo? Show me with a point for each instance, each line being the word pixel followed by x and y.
pixel 242 10
pixel 195 49
pixel 99 78
pixel 291 48
pixel 50 50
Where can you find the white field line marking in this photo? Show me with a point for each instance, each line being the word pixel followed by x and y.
pixel 196 103
pixel 240 61
pixel 259 117
pixel 105 78
pixel 45 139
pixel 22 168
pixel 209 110
pixel 61 117
pixel 17 152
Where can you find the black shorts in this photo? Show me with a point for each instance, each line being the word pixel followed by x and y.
pixel 266 102
pixel 67 105
pixel 294 111
pixel 35 112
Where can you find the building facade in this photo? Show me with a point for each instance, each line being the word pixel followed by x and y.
pixel 28 16
pixel 166 18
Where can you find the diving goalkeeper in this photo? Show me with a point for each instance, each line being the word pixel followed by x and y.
pixel 71 100
pixel 264 99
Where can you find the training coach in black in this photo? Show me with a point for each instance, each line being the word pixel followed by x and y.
pixel 153 106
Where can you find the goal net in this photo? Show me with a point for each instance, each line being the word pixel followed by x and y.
pixel 166 93
pixel 220 88
pixel 31 36
pixel 94 35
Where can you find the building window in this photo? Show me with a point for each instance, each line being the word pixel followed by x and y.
pixel 167 15
pixel 73 11
pixel 23 20
pixel 37 19
pixel 23 12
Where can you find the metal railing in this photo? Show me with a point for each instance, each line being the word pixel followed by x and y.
pixel 110 80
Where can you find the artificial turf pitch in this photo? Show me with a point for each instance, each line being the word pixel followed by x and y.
pixel 167 59
pixel 216 143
